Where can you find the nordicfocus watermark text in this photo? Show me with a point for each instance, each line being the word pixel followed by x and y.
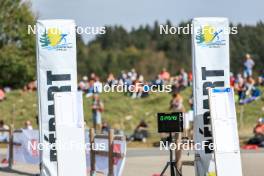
pixel 138 87
pixel 190 145
pixel 188 29
pixel 71 145
pixel 89 30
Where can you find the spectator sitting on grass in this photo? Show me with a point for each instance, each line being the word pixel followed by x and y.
pixel 232 79
pixel 3 134
pixel 190 79
pixel 138 89
pixel 158 81
pixel 184 76
pixel 90 89
pixel 141 132
pixel 259 128
pixel 258 138
pixel 83 84
pixel 164 75
pixel 252 92
pixel 250 85
pixel 176 87
pixel 261 79
pixel 2 94
pixel 98 86
pixel 111 80
pixel 31 86
pixel 240 87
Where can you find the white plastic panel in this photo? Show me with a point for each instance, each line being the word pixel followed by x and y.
pixel 70 134
pixel 225 133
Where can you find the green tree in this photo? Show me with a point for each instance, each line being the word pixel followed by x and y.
pixel 17 47
pixel 174 50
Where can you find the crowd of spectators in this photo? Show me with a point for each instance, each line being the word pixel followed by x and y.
pixel 31 86
pixel 92 87
pixel 245 86
pixel 140 86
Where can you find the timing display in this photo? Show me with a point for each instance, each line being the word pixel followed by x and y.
pixel 171 122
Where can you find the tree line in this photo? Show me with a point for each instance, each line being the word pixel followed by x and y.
pixel 148 51
pixel 142 48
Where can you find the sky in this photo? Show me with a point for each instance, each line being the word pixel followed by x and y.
pixel 132 13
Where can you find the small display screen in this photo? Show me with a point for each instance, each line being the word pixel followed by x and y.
pixel 170 122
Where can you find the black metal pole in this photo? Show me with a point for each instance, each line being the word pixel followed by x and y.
pixel 171 158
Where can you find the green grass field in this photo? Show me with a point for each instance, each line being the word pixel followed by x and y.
pixel 120 111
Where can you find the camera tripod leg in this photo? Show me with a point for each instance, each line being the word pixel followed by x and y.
pixel 177 171
pixel 173 169
pixel 165 168
pixel 172 163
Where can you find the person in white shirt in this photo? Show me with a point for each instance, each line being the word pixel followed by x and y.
pixel 248 66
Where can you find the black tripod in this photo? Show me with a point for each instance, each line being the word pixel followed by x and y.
pixel 171 163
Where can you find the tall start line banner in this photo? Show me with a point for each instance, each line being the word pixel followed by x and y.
pixel 56 72
pixel 210 43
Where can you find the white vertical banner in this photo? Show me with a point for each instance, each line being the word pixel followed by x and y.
pixel 210 43
pixel 57 72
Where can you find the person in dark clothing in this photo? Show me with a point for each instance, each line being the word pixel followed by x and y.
pixel 141 132
pixel 258 138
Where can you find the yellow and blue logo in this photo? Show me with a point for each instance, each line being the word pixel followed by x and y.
pixel 53 38
pixel 208 36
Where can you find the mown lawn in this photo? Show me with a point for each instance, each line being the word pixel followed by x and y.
pixel 120 111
